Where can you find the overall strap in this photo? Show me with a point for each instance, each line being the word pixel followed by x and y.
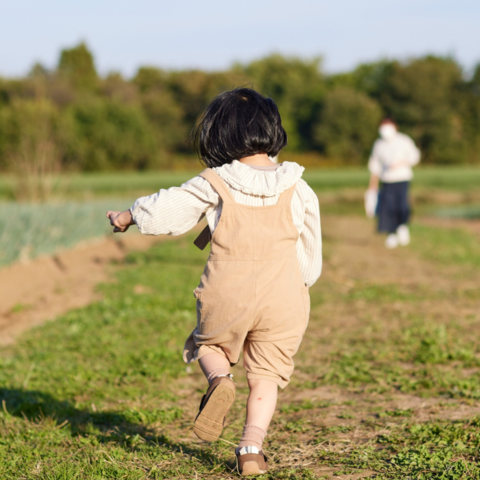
pixel 219 185
pixel 286 196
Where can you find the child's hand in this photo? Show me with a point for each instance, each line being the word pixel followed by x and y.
pixel 120 220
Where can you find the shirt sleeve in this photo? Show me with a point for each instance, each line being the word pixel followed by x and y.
pixel 413 155
pixel 374 163
pixel 176 210
pixel 309 245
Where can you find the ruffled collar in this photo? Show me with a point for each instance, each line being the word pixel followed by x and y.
pixel 260 182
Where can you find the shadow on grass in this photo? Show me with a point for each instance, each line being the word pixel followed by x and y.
pixel 34 406
pixel 106 427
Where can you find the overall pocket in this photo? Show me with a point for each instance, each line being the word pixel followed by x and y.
pixel 204 310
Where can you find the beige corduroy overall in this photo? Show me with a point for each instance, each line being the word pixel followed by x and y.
pixel 251 294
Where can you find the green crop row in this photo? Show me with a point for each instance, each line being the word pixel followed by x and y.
pixel 27 231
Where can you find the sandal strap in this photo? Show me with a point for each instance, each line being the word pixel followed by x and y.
pixel 248 449
pixel 229 375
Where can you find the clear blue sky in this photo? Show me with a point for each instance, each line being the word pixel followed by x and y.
pixel 211 34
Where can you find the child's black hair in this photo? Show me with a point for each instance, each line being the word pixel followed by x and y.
pixel 237 124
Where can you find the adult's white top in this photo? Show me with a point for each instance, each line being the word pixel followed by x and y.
pixel 178 209
pixel 386 153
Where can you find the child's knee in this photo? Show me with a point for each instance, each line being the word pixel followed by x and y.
pixel 265 384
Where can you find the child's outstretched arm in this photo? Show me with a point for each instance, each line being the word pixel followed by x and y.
pixel 168 212
pixel 120 220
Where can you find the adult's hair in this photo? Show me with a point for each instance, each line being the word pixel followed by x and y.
pixel 389 119
pixel 237 124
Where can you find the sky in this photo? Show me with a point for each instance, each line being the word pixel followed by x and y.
pixel 212 34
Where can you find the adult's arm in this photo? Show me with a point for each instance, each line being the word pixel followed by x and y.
pixel 374 167
pixel 374 182
pixel 413 153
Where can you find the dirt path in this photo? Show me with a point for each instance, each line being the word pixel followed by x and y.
pixel 33 292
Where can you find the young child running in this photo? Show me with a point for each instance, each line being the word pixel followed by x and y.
pixel 264 229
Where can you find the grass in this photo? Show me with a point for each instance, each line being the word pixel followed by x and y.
pixel 386 381
pixel 92 185
pixel 468 211
pixel 451 246
pixel 88 186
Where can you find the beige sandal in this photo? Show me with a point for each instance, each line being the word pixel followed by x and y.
pixel 214 408
pixel 251 461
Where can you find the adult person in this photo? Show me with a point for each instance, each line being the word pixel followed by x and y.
pixel 393 156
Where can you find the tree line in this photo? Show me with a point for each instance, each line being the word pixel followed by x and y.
pixel 74 118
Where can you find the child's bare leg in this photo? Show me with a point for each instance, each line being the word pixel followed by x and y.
pixel 261 402
pixel 214 365
pixel 260 409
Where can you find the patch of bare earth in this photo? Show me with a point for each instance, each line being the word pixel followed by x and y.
pixel 39 290
pixel 470 225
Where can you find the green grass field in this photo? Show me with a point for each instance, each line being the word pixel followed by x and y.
pixel 130 184
pixel 386 383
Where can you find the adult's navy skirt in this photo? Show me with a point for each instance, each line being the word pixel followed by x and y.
pixel 393 209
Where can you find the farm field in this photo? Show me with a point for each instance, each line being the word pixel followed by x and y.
pixel 92 185
pixel 77 214
pixel 30 230
pixel 386 384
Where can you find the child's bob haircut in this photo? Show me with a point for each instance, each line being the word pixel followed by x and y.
pixel 238 124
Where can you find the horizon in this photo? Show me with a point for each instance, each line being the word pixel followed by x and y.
pixel 467 71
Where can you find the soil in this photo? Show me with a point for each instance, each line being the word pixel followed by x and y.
pixel 39 290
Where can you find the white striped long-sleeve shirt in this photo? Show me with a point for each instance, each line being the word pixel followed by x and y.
pixel 178 209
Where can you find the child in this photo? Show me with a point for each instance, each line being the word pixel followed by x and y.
pixel 264 228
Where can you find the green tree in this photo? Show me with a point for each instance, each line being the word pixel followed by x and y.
pixel 470 113
pixel 348 124
pixel 38 71
pixel 368 78
pixel 109 135
pixel 193 90
pixel 77 65
pixel 297 86
pixel 149 79
pixel 163 111
pixel 115 87
pixel 31 138
pixel 424 96
pixel 12 89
